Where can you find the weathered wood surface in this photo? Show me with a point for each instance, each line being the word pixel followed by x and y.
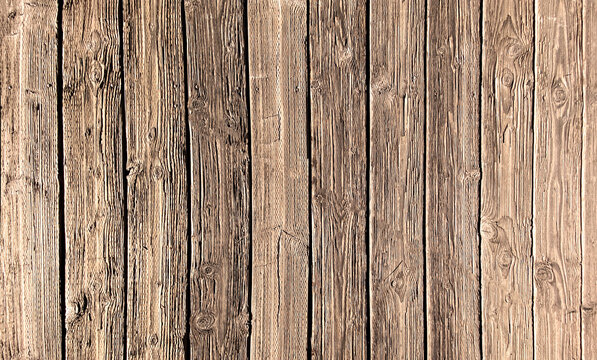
pixel 30 319
pixel 397 142
pixel 277 32
pixel 452 180
pixel 507 182
pixel 156 179
pixel 93 185
pixel 220 178
pixel 557 180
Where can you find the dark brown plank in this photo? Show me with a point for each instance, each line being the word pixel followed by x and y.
pixel 30 325
pixel 507 182
pixel 278 84
pixel 338 37
pixel 452 191
pixel 156 178
pixel 557 168
pixel 94 175
pixel 397 178
pixel 220 179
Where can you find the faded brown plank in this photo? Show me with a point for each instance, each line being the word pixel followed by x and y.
pixel 30 325
pixel 557 169
pixel 397 178
pixel 452 191
pixel 338 37
pixel 277 32
pixel 93 173
pixel 156 179
pixel 507 182
pixel 589 184
pixel 220 192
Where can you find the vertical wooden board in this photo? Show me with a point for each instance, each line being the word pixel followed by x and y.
pixel 507 185
pixel 30 325
pixel 397 146
pixel 156 178
pixel 220 193
pixel 277 32
pixel 93 168
pixel 338 37
pixel 452 190
pixel 589 184
pixel 557 177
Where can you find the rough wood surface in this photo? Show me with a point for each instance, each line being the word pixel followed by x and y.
pixel 338 32
pixel 452 191
pixel 397 37
pixel 30 325
pixel 220 179
pixel 156 178
pixel 93 169
pixel 507 182
pixel 277 31
pixel 557 180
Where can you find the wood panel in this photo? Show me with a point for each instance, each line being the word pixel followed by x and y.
pixel 338 33
pixel 507 182
pixel 557 183
pixel 278 91
pixel 220 178
pixel 589 184
pixel 452 180
pixel 93 168
pixel 397 143
pixel 30 321
pixel 156 179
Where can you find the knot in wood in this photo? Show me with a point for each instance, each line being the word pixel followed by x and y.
pixel 544 272
pixel 204 321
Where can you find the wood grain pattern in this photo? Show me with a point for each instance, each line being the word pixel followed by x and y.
pixel 557 182
pixel 280 186
pixel 338 31
pixel 452 181
pixel 507 182
pixel 30 325
pixel 156 178
pixel 94 194
pixel 220 179
pixel 397 33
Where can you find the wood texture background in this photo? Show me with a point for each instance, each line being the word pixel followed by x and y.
pixel 276 179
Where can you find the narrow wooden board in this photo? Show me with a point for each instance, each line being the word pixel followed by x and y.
pixel 156 179
pixel 589 184
pixel 93 171
pixel 220 178
pixel 507 182
pixel 557 168
pixel 30 321
pixel 452 191
pixel 397 143
pixel 338 38
pixel 277 32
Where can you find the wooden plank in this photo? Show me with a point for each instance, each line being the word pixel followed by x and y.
pixel 220 193
pixel 30 325
pixel 589 184
pixel 397 146
pixel 280 178
pixel 557 169
pixel 507 182
pixel 452 191
pixel 93 169
pixel 338 37
pixel 156 178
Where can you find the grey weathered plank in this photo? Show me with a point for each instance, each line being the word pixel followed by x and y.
pixel 220 193
pixel 156 178
pixel 452 181
pixel 30 325
pixel 397 50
